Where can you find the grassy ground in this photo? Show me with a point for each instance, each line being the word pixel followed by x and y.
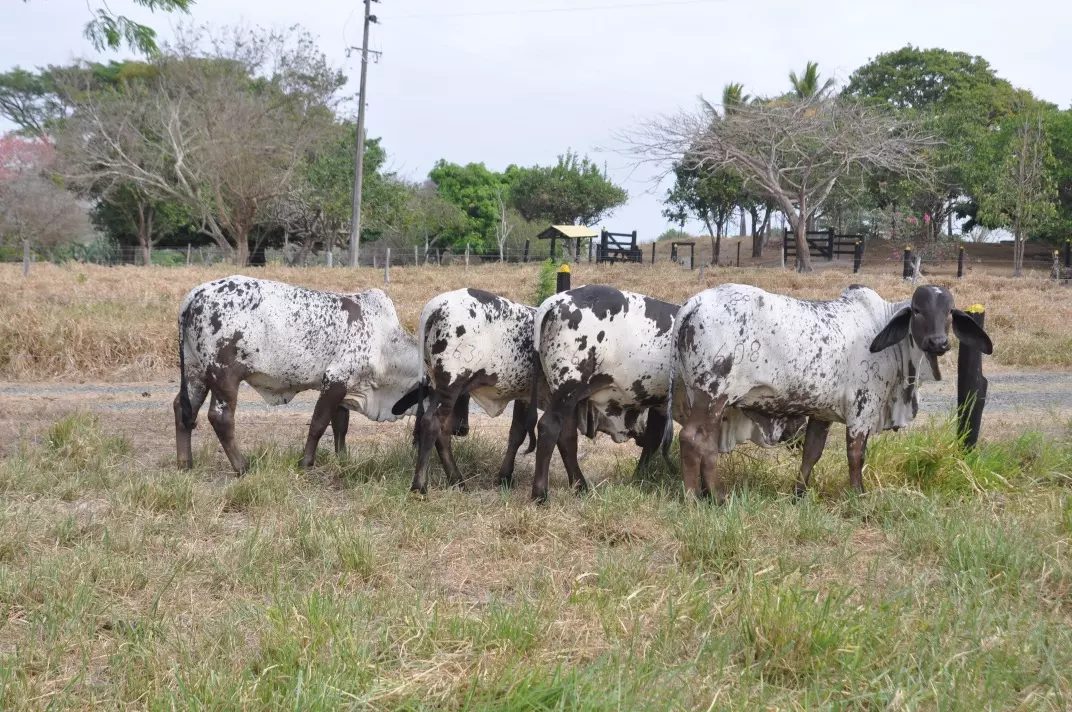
pixel 124 583
pixel 87 322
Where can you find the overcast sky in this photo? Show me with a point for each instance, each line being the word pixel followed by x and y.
pixel 520 81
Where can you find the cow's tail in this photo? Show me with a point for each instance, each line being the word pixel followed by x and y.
pixel 421 381
pixel 537 373
pixel 422 376
pixel 186 409
pixel 668 432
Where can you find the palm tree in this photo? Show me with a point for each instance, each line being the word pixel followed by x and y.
pixel 733 96
pixel 807 86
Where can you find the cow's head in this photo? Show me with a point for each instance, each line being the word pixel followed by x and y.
pixel 925 322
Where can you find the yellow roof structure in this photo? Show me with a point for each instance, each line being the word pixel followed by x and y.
pixel 571 232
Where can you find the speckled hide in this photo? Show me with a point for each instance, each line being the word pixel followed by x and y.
pixel 287 339
pixel 479 342
pixel 615 345
pixel 776 355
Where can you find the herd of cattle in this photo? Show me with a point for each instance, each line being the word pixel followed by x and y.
pixel 734 363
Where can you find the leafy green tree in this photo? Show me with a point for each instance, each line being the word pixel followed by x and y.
pixel 709 196
pixel 476 191
pixel 106 30
pixel 1023 191
pixel 573 191
pixel 959 98
pixel 1059 129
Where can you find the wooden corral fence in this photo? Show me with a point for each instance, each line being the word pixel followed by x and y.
pixel 674 252
pixel 824 245
pixel 618 247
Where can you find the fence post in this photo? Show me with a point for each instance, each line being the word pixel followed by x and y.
pixel 25 256
pixel 525 257
pixel 906 271
pixel 467 256
pixel 960 262
pixel 331 258
pixel 387 267
pixel 653 253
pixel 738 254
pixel 971 385
pixel 439 257
pixel 830 243
pixel 562 282
pixel 375 262
pixel 785 246
pixel 1068 253
pixel 187 254
pixel 416 257
pixel 857 256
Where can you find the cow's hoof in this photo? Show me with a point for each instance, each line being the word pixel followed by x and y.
pixel 800 491
pixel 461 431
pixel 459 485
pixel 506 482
pixel 419 492
pixel 539 498
pixel 580 487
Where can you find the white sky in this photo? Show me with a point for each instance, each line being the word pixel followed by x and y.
pixel 520 81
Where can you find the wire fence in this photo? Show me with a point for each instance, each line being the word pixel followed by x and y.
pixel 878 255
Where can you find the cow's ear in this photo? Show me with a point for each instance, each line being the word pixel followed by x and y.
pixel 895 330
pixel 405 402
pixel 970 333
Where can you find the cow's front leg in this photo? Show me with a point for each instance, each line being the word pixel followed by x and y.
pixel 814 442
pixel 325 410
pixel 856 445
pixel 340 424
pixel 427 434
pixel 447 423
pixel 699 445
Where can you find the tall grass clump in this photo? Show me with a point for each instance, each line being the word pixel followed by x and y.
pixel 74 455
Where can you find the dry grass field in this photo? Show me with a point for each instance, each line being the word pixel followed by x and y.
pixel 125 583
pixel 119 323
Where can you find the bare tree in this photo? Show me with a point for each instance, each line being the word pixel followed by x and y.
pixel 506 225
pixel 221 130
pixel 793 151
pixel 33 207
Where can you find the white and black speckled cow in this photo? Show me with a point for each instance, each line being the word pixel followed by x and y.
pixel 282 340
pixel 856 360
pixel 610 349
pixel 474 343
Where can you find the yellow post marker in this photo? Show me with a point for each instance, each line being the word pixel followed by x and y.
pixel 563 281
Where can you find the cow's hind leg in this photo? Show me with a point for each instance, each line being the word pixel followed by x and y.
pixel 221 413
pixel 549 428
pixel 324 413
pixel 651 440
pixel 567 448
pixel 699 446
pixel 516 437
pixel 814 442
pixel 340 424
pixel 196 391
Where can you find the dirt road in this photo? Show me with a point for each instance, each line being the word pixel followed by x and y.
pixel 142 411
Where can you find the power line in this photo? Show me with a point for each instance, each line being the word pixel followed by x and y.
pixel 553 10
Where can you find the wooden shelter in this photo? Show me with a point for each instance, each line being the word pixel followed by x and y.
pixel 568 232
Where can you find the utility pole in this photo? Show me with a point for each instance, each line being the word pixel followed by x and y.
pixel 359 158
